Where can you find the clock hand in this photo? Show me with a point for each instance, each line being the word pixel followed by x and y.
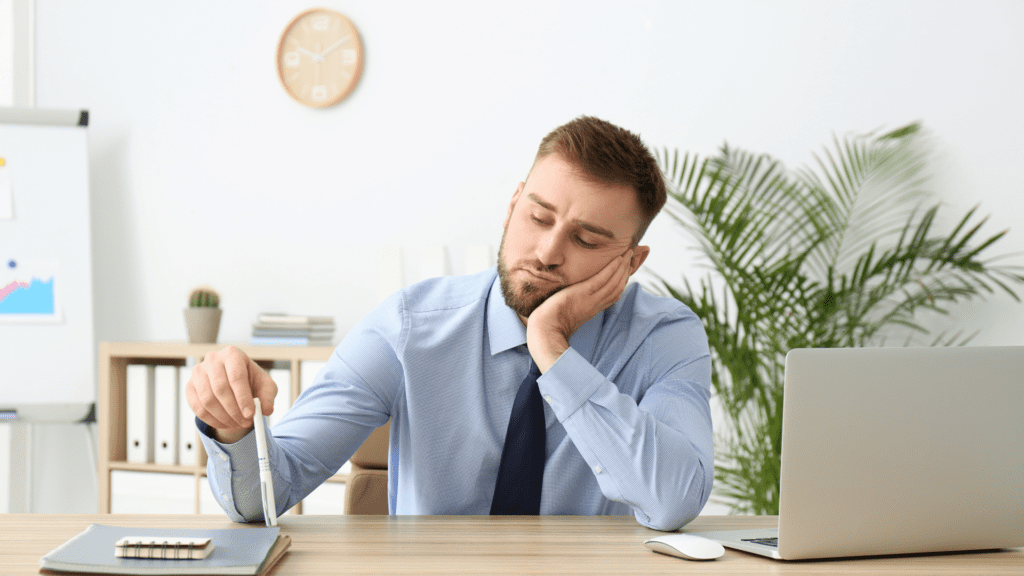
pixel 315 57
pixel 335 45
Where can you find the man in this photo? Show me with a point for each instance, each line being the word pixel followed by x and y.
pixel 625 375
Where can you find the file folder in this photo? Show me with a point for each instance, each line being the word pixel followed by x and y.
pixel 166 419
pixel 139 397
pixel 187 432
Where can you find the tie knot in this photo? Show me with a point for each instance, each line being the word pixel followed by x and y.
pixel 534 370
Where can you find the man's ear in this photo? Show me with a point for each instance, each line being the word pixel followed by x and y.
pixel 639 255
pixel 512 204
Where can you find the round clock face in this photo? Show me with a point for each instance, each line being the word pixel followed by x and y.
pixel 319 58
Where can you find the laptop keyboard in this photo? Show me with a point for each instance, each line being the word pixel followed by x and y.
pixel 773 542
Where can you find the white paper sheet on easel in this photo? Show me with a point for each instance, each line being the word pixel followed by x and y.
pixel 6 196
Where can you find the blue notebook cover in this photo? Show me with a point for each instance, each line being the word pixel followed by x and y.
pixel 236 551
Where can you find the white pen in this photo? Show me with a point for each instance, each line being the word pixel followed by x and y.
pixel 266 481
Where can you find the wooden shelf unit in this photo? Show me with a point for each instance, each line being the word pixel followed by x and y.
pixel 112 408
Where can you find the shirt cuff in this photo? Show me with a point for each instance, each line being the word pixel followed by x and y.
pixel 568 383
pixel 246 445
pixel 221 469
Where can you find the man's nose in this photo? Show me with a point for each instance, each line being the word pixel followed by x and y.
pixel 551 249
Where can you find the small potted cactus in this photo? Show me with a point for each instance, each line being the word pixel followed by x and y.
pixel 202 317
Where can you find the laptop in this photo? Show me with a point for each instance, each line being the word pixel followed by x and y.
pixel 897 451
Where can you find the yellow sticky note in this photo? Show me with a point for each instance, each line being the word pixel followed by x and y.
pixel 6 196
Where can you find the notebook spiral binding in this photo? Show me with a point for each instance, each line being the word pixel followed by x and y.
pixel 170 549
pixel 164 547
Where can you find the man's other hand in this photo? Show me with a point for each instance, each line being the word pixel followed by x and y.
pixel 549 326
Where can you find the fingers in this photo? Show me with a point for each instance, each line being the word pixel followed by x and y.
pixel 608 284
pixel 263 387
pixel 230 387
pixel 220 391
pixel 558 317
pixel 613 279
pixel 203 402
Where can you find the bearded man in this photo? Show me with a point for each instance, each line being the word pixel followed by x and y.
pixel 546 385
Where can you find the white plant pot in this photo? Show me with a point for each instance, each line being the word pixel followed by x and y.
pixel 202 324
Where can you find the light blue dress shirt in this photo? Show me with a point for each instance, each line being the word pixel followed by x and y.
pixel 627 409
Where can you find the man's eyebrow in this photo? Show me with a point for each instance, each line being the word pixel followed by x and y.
pixel 585 225
pixel 595 229
pixel 542 203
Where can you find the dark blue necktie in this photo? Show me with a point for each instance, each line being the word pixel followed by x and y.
pixel 521 472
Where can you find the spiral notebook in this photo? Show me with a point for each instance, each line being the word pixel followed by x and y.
pixel 248 551
pixel 163 547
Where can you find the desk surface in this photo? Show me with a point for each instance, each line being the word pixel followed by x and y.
pixel 382 545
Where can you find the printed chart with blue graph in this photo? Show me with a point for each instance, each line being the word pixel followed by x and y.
pixel 27 291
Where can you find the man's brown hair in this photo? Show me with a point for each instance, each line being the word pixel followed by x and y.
pixel 613 155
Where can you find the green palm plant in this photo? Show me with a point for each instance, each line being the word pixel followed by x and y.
pixel 843 255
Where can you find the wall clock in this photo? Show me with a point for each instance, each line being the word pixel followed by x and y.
pixel 319 58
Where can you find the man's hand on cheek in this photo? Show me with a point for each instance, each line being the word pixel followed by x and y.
pixel 549 327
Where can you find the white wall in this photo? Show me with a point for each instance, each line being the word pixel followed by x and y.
pixel 6 99
pixel 6 52
pixel 205 172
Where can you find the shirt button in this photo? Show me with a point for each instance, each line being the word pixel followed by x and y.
pixel 597 469
pixel 224 497
pixel 548 398
pixel 223 457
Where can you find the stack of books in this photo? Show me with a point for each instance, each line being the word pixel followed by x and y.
pixel 274 329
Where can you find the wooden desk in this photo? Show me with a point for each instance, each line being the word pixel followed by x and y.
pixel 382 545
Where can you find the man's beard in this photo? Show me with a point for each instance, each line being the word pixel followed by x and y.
pixel 529 297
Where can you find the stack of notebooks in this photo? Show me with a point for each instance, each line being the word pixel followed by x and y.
pixel 273 329
pixel 102 549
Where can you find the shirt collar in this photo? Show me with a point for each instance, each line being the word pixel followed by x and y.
pixel 504 328
pixel 506 331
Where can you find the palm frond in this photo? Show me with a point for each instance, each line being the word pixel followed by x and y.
pixel 865 188
pixel 844 253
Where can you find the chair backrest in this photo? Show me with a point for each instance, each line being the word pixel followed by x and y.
pixel 373 454
pixel 366 488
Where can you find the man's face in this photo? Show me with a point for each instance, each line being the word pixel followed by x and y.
pixel 562 227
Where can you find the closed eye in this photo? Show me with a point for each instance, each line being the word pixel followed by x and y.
pixel 585 244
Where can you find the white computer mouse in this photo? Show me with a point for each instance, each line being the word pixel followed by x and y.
pixel 686 546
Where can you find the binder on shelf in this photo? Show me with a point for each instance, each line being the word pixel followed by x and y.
pixel 187 432
pixel 139 400
pixel 166 418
